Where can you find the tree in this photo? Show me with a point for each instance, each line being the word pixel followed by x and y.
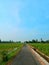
pixel 33 41
pixel 37 41
pixel 42 41
pixel 47 41
pixel 0 40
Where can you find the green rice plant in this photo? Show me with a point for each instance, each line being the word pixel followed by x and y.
pixel 4 56
pixel 8 50
pixel 44 48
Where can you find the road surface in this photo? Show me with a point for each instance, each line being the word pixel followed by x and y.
pixel 25 57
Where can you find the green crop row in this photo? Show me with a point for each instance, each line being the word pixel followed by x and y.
pixel 44 48
pixel 8 50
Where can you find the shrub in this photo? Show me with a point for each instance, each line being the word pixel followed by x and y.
pixel 4 56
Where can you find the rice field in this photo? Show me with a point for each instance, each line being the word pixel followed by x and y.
pixel 8 49
pixel 44 48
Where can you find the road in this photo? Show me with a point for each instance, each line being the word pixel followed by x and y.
pixel 25 57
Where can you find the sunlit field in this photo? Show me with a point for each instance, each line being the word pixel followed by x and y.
pixel 8 50
pixel 44 48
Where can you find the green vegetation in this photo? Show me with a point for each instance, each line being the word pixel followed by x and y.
pixel 37 41
pixel 43 47
pixel 8 50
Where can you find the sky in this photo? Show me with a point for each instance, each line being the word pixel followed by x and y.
pixel 24 19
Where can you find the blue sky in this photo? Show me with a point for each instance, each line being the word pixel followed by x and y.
pixel 24 19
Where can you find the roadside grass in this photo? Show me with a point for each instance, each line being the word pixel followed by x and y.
pixel 8 50
pixel 43 47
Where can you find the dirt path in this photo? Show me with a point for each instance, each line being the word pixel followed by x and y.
pixel 25 57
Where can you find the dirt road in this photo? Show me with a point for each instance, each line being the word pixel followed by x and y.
pixel 25 57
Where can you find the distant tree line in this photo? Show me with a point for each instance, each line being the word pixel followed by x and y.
pixel 6 41
pixel 32 41
pixel 37 41
pixel 10 41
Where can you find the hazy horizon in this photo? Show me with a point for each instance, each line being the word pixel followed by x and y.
pixel 24 19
